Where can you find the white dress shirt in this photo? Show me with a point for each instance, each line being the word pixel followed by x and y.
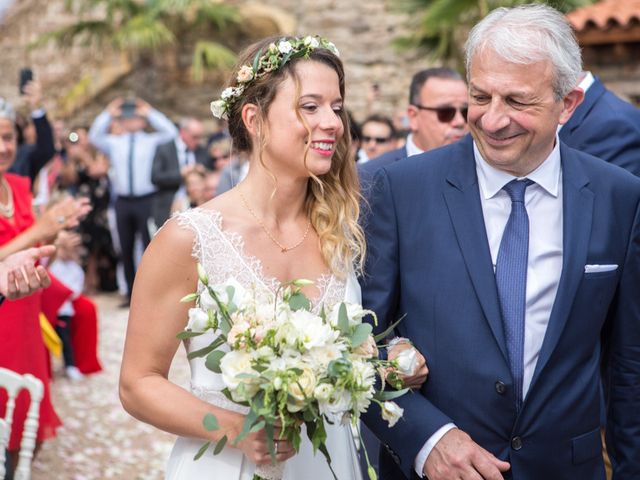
pixel 411 147
pixel 144 149
pixel 543 201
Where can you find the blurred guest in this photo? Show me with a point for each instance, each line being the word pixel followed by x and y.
pixel 87 171
pixel 195 182
pixel 34 135
pixel 233 169
pixel 131 154
pixel 172 161
pixel 604 126
pixel 66 267
pixel 356 135
pixel 211 181
pixel 220 150
pixel 378 137
pixel 21 346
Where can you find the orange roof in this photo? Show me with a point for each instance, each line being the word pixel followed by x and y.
pixel 606 14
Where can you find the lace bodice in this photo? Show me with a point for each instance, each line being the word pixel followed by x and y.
pixel 222 255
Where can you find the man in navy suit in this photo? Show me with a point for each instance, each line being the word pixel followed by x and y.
pixel 437 116
pixel 605 126
pixel 516 260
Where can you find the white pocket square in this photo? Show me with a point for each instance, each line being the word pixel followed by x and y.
pixel 599 268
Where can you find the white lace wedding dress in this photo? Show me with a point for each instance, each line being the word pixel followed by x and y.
pixel 222 255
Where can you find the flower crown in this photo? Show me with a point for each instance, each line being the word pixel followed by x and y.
pixel 274 58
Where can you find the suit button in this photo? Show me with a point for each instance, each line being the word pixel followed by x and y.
pixel 501 388
pixel 516 443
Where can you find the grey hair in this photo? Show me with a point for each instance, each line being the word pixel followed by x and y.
pixel 529 34
pixel 7 111
pixel 185 122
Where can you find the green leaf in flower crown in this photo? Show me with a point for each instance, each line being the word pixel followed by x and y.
pixel 386 395
pixel 210 422
pixel 213 360
pixel 200 353
pixel 220 445
pixel 189 298
pixel 360 334
pixel 299 301
pixel 201 451
pixel 343 319
pixel 386 333
pixel 188 334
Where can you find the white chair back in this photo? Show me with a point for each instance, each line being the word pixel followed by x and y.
pixel 13 382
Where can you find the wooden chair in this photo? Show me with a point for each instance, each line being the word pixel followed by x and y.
pixel 13 382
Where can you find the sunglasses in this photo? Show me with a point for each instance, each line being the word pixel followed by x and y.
pixel 445 114
pixel 366 139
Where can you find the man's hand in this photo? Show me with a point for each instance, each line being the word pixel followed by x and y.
pixel 20 277
pixel 457 456
pixel 115 107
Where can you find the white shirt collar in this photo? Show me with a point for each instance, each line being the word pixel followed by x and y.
pixel 412 148
pixel 491 180
pixel 587 81
pixel 180 145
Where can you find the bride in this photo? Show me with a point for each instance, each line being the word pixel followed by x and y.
pixel 294 216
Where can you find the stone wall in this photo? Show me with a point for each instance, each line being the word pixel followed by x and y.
pixel 363 31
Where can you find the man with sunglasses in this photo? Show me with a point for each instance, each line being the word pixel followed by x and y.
pixel 378 137
pixel 437 114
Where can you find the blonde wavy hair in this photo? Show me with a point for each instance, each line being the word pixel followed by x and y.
pixel 333 199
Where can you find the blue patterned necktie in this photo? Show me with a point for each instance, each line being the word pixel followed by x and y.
pixel 511 280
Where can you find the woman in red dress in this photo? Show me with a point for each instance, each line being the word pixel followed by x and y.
pixel 21 346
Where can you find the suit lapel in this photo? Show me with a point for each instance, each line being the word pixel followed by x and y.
pixel 577 218
pixel 463 202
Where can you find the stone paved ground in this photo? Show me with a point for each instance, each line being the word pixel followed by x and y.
pixel 99 440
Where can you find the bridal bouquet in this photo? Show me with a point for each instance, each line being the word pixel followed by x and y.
pixel 290 366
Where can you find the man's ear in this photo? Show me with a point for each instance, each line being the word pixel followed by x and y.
pixel 570 102
pixel 251 118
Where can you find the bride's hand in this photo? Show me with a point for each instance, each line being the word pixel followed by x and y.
pixel 418 376
pixel 255 448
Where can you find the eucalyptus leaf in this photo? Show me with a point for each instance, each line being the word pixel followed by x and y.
pixel 360 334
pixel 210 422
pixel 249 420
pixel 213 360
pixel 201 451
pixel 188 334
pixel 200 353
pixel 298 301
pixel 343 319
pixel 220 445
pixel 389 394
pixel 258 426
pixel 386 333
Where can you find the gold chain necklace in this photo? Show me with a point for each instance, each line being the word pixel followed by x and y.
pixel 283 248
pixel 7 209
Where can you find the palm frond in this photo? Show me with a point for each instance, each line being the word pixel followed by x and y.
pixel 143 33
pixel 222 16
pixel 209 56
pixel 83 32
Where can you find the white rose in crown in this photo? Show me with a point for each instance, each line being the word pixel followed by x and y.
pixel 218 108
pixel 391 412
pixel 311 41
pixel 355 313
pixel 198 320
pixel 285 47
pixel 407 361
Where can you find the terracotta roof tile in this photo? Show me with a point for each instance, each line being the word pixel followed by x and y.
pixel 605 14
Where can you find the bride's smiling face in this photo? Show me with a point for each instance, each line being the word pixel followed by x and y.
pixel 304 117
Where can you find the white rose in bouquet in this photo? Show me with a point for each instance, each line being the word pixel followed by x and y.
pixel 334 409
pixel 301 389
pixel 407 361
pixel 233 364
pixel 198 320
pixel 391 412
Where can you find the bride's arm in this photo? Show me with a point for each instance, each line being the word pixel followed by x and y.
pixel 166 274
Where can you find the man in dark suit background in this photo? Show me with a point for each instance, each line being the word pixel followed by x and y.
pixel 173 160
pixel 605 126
pixel 437 116
pixel 515 259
